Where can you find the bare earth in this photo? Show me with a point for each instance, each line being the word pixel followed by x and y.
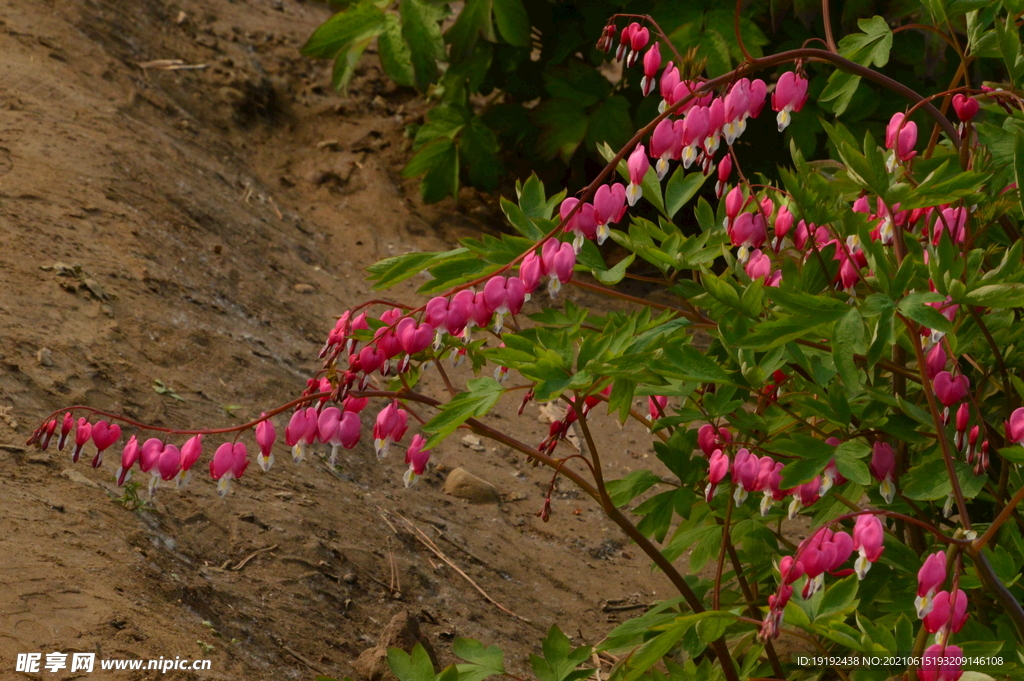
pixel 203 228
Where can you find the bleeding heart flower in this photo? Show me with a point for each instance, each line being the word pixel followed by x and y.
pixel 652 62
pixel 941 663
pixel 638 166
pixel 868 537
pixel 417 458
pixel 966 107
pixel 947 617
pixel 128 458
pixel 103 436
pixel 950 389
pixel 266 435
pixel 930 578
pixel 83 433
pixel 789 96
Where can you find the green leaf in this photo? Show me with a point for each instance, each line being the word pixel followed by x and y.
pixel 532 198
pixel 415 667
pixel 914 307
pixel 390 271
pixel 478 151
pixel 483 394
pixel 847 340
pixel 560 658
pixel 609 122
pixel 997 295
pixel 473 23
pixel 870 47
pixel 442 179
pixel 512 21
pixel 563 125
pixel 1018 165
pixel 484 662
pixel 615 274
pixel 423 36
pixel 345 63
pixel 839 596
pixel 692 365
pixel 394 54
pixel 839 89
pixel 680 189
pixel 628 488
pixel 357 23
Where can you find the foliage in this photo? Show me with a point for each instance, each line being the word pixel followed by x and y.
pixel 519 81
pixel 841 337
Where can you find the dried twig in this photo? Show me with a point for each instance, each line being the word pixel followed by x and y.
pixel 422 538
pixel 298 656
pixel 253 555
pixel 169 65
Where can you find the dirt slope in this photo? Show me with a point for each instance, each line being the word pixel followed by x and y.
pixel 201 228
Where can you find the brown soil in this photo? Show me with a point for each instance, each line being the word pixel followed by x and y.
pixel 203 228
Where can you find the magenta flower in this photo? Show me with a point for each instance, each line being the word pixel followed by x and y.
pixel 557 262
pixel 652 62
pixel 169 463
pixel 637 42
pixel 103 436
pixel 1015 426
pixel 65 429
pixel 759 265
pixel 805 495
pixel 128 458
pixel 747 231
pixel 769 479
pixel 390 426
pixel 530 271
pixel 930 578
pixel 950 389
pixel 946 617
pixel 718 468
pixel 966 107
pixel 694 131
pixel 637 165
pixel 709 439
pixel 655 406
pixel 939 663
pixel 724 171
pixel 669 80
pixel 417 458
pixel 734 202
pixel 190 453
pixel 900 136
pixel 266 435
pixel 716 121
pixel 609 207
pixel 228 463
pixel 789 96
pixel 790 569
pixel 666 143
pixel 935 361
pixel 737 108
pixel 745 470
pixel 952 221
pixel 883 467
pixel 83 433
pixel 868 537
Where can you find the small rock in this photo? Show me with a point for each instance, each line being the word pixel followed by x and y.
pixel 402 632
pixel 304 288
pixel 472 442
pixel 464 485
pixel 350 578
pixel 515 496
pixel 45 357
pixel 75 476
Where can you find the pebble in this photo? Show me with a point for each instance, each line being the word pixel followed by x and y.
pixel 464 485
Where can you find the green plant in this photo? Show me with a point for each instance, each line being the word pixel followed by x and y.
pixel 843 339
pixel 520 82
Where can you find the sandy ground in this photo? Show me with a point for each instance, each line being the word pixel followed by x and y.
pixel 202 228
